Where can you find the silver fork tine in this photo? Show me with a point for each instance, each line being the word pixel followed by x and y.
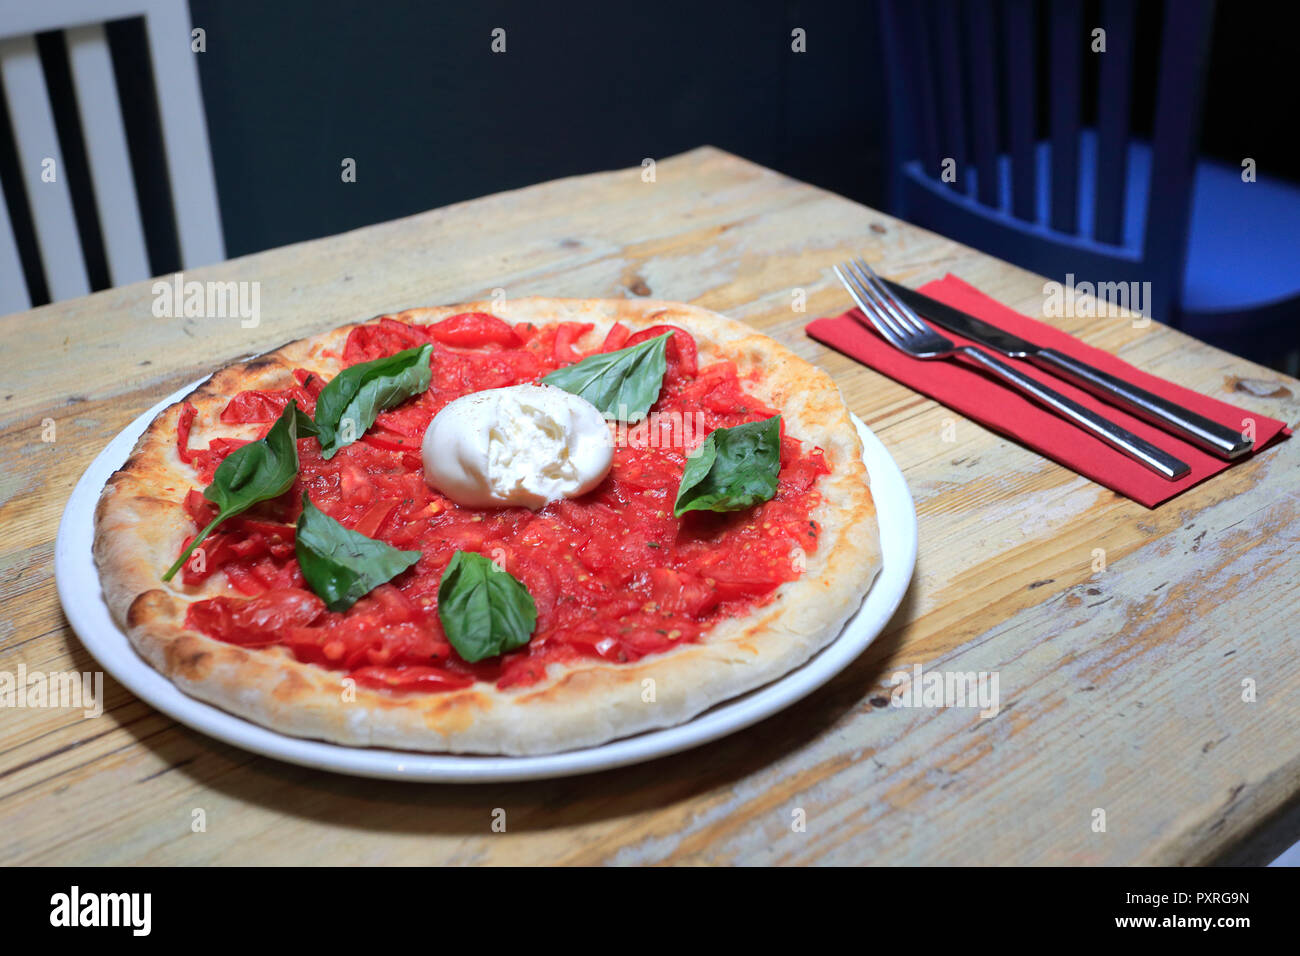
pixel 901 310
pixel 869 309
pixel 888 305
pixel 880 310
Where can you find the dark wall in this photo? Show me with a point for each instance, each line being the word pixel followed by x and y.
pixel 413 92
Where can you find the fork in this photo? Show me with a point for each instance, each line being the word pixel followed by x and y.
pixel 908 332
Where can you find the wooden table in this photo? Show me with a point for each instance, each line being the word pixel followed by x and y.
pixel 1122 690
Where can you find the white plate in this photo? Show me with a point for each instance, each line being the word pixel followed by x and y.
pixel 83 602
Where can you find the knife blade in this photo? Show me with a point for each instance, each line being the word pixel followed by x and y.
pixel 1174 418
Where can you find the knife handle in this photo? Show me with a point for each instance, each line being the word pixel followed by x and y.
pixel 1183 422
pixel 1156 459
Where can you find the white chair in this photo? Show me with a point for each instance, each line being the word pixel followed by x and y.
pixel 184 134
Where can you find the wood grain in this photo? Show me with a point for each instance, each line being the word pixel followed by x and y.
pixel 1121 690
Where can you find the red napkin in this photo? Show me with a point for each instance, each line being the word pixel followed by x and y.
pixel 967 389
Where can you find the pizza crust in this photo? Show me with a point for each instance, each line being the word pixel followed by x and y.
pixel 140 525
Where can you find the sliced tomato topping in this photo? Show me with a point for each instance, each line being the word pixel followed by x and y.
pixel 255 622
pixel 254 555
pixel 200 509
pixel 264 406
pixel 205 460
pixel 567 334
pixel 375 340
pixel 373 518
pixel 616 337
pixel 471 330
pixel 390 441
pixel 309 382
pixel 183 426
pixel 355 486
pixel 681 591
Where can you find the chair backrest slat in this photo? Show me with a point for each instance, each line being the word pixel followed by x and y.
pixel 1185 44
pixel 920 84
pixel 1114 95
pixel 109 159
pixel 984 99
pixel 1022 106
pixel 952 101
pixel 1066 51
pixel 14 296
pixel 185 135
pixel 37 144
pixel 895 52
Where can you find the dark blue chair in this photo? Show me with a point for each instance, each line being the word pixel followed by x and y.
pixel 1222 255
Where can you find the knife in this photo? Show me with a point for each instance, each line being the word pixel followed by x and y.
pixel 1183 422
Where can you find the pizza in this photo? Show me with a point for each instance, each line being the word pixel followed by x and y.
pixel 501 528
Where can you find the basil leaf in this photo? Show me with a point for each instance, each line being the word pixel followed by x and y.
pixel 622 384
pixel 303 423
pixel 255 472
pixel 484 610
pixel 734 468
pixel 342 565
pixel 360 392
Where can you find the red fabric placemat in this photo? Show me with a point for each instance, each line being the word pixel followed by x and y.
pixel 968 389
